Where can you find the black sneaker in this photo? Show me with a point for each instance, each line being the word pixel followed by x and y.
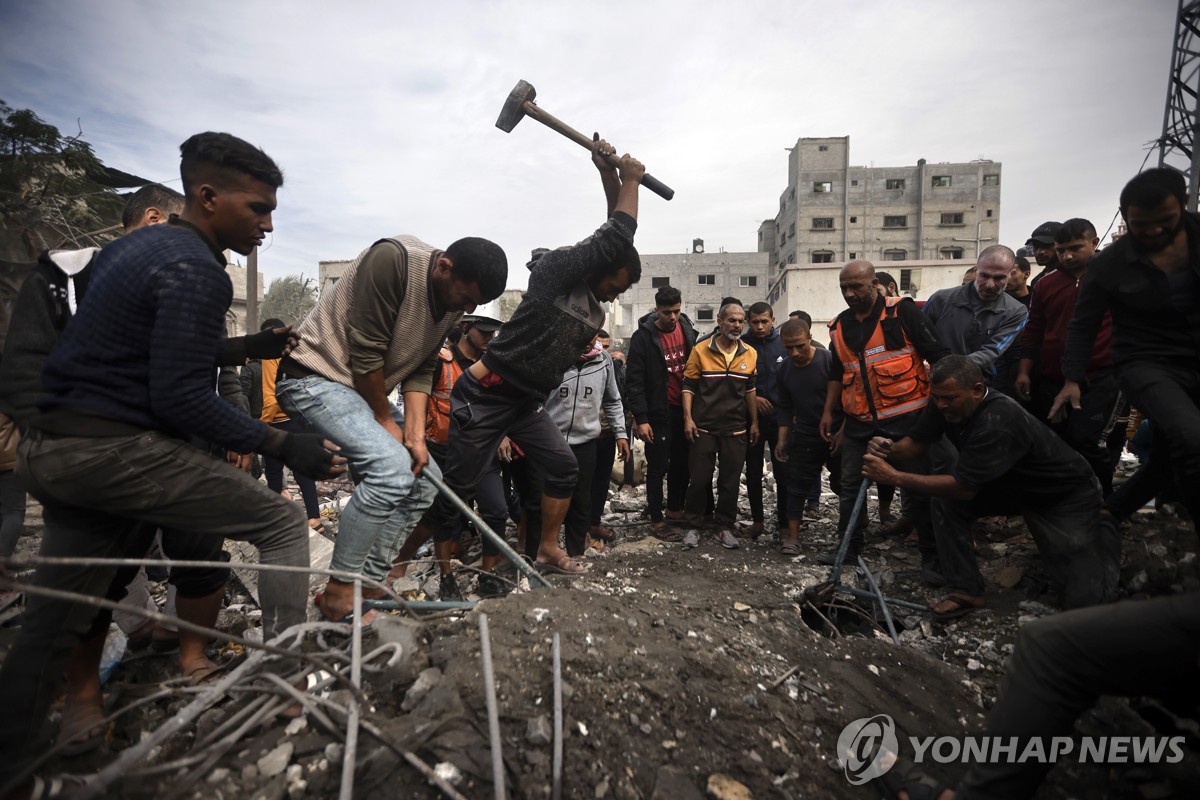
pixel 830 558
pixel 448 589
pixel 492 585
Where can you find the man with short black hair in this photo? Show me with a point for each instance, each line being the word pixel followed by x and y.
pixel 1006 465
pixel 1043 343
pixel 380 328
pixel 1149 280
pixel 658 351
pixel 131 374
pixel 1018 281
pixel 764 338
pixel 505 392
pixel 802 379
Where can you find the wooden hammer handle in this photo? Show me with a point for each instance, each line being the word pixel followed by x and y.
pixel 552 122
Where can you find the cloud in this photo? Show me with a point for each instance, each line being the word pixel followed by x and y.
pixel 382 114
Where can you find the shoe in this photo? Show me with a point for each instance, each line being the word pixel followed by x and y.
pixel 492 585
pixel 756 530
pixel 898 526
pixel 830 558
pixel 812 512
pixel 955 605
pixel 448 588
pixel 691 539
pixel 662 531
pixel 727 540
pixel 790 547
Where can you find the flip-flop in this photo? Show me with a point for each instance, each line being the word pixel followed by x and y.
pixel 955 605
pixel 790 547
pixel 563 566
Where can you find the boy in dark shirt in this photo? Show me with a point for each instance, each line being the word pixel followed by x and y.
pixel 802 381
pixel 1007 465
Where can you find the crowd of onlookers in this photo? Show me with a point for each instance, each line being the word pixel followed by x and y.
pixel 132 417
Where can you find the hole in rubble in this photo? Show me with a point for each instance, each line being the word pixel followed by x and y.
pixel 848 616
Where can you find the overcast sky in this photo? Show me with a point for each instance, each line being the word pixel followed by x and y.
pixel 382 114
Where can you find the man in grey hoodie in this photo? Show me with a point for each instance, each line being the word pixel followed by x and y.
pixel 588 385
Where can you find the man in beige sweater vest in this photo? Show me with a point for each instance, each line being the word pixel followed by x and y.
pixel 380 328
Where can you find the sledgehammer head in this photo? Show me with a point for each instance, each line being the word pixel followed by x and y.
pixel 514 106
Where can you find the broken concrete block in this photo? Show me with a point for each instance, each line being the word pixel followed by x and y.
pixel 537 730
pixel 276 761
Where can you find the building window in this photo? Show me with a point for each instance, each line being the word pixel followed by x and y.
pixel 854 219
pixel 659 282
pixel 906 280
pixel 895 255
pixel 704 315
pixel 822 257
pixel 991 180
pixel 822 148
pixel 940 181
pixel 747 280
pixel 954 218
pixel 792 230
pixel 989 212
pixel 822 223
pixel 853 255
pixel 895 183
pixel 706 280
pixel 854 183
pixel 823 186
pixel 895 222
pixel 952 252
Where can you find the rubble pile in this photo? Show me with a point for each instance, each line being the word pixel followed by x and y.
pixel 685 674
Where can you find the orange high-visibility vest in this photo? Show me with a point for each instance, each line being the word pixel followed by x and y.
pixel 437 413
pixel 879 383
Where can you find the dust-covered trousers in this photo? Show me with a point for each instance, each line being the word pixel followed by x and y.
pixel 100 497
pixel 1079 547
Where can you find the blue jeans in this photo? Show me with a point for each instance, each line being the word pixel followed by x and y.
pixel 388 501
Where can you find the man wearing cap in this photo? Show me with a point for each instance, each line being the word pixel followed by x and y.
pixel 1042 242
pixel 380 329
pixel 477 332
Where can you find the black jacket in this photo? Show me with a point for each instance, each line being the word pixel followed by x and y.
pixel 1146 326
pixel 646 371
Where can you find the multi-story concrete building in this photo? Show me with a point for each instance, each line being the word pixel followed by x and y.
pixel 702 278
pixel 833 212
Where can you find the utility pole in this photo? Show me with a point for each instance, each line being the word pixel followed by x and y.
pixel 252 291
pixel 1181 117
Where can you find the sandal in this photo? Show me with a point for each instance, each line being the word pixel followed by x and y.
pixel 905 776
pixel 563 565
pixel 82 730
pixel 665 533
pixel 203 675
pixel 955 605
pixel 790 547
